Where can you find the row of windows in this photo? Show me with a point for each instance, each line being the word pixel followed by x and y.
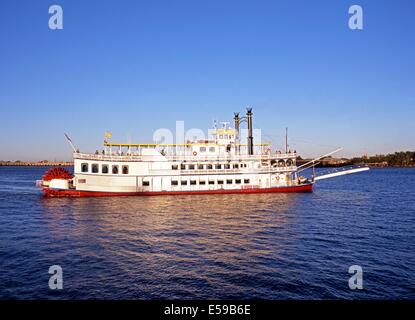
pixel 203 149
pixel 208 166
pixel 225 136
pixel 105 168
pixel 203 182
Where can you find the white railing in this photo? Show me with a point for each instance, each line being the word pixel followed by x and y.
pixel 197 158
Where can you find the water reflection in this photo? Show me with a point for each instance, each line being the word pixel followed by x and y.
pixel 180 238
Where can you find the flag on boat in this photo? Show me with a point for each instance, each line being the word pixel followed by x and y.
pixel 108 135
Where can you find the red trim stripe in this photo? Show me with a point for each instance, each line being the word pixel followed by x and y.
pixel 77 193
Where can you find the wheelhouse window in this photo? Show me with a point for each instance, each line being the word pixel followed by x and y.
pixel 95 168
pixel 200 166
pixel 105 169
pixel 218 166
pixel 226 166
pixel 174 167
pixel 191 166
pixel 183 167
pixel 114 169
pixel 84 167
pixel 209 166
pixel 125 170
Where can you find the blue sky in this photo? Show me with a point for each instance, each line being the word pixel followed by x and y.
pixel 132 67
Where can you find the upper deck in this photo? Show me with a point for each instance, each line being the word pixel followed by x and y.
pixel 223 144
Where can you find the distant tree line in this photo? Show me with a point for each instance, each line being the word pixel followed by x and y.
pixel 397 159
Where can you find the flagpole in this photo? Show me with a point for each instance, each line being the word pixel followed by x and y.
pixel 70 142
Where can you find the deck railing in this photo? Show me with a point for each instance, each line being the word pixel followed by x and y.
pixel 197 158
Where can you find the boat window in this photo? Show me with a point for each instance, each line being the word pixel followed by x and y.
pixel 175 183
pixel 246 180
pixel 95 168
pixel 202 149
pixel 211 182
pixel 229 181
pixel 220 181
pixel 209 166
pixel 226 136
pixel 221 136
pixel 200 166
pixel 183 182
pixel 81 180
pixel 202 182
pixel 84 167
pixel 115 169
pixel 105 168
pixel 124 169
pixel 226 166
pixel 174 167
pixel 212 149
pixel 218 166
pixel 192 182
pixel 238 181
pixel 191 166
pixel 183 167
pixel 146 183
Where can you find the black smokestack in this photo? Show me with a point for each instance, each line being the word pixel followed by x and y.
pixel 236 119
pixel 250 137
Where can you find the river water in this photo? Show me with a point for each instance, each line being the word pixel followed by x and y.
pixel 270 246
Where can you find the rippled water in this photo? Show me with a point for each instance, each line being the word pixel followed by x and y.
pixel 270 246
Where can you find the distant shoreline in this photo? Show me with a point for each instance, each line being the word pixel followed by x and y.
pixel 36 164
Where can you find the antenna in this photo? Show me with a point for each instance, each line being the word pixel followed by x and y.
pixel 286 140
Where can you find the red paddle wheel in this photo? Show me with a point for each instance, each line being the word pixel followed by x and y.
pixel 56 173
